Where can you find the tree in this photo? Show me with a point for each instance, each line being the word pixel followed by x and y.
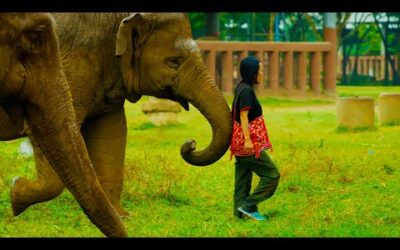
pixel 383 29
pixel 212 25
pixel 341 22
pixel 351 40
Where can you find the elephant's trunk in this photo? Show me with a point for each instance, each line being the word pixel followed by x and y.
pixel 197 86
pixel 52 121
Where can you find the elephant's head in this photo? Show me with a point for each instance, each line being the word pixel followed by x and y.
pixel 160 58
pixel 33 81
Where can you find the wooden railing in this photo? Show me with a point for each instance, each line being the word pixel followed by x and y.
pixel 373 66
pixel 289 66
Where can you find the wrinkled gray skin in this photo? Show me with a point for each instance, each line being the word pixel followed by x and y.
pixel 33 88
pixel 110 57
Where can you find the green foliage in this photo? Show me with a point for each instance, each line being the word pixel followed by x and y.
pixel 332 184
pixel 251 26
pixel 363 80
pixel 198 23
pixel 370 45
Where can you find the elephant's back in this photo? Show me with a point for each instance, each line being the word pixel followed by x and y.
pixel 87 29
pixel 87 46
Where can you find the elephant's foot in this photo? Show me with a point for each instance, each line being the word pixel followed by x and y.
pixel 25 193
pixel 121 211
pixel 19 201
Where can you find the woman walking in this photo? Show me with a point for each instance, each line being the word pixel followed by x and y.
pixel 249 144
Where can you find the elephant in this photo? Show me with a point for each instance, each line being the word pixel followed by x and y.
pixel 112 57
pixel 34 92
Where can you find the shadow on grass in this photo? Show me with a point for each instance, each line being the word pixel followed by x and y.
pixel 272 214
pixel 149 125
pixel 269 215
pixel 391 124
pixel 342 130
pixel 173 200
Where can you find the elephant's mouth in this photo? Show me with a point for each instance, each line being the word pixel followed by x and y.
pixel 168 93
pixel 184 103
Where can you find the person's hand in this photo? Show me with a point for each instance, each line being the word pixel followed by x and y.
pixel 248 145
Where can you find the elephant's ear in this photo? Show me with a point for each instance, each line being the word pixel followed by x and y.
pixel 133 32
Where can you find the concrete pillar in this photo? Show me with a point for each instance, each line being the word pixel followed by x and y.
pixel 364 66
pixel 302 71
pixel 209 59
pixel 329 60
pixel 273 70
pixel 348 66
pixel 359 72
pixel 355 112
pixel 260 56
pixel 288 70
pixel 315 73
pixel 353 64
pixel 389 109
pixel 373 66
pixel 376 68
pixel 227 72
pixel 242 55
pixel 369 66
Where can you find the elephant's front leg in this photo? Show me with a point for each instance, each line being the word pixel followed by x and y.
pixel 105 138
pixel 25 193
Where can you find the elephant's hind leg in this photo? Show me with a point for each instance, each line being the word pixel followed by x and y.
pixel 105 138
pixel 25 193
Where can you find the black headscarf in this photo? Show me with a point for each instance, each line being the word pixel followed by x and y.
pixel 249 70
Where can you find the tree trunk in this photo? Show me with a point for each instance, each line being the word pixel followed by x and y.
pixel 212 24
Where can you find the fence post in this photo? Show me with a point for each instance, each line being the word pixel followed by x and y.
pixel 330 57
pixel 227 72
pixel 210 62
pixel 302 71
pixel 242 55
pixel 316 72
pixel 273 70
pixel 260 57
pixel 288 70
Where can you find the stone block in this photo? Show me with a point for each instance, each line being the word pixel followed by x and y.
pixel 355 112
pixel 161 111
pixel 389 109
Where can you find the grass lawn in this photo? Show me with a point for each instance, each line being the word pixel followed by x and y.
pixel 332 184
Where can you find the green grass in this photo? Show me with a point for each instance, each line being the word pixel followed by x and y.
pixel 370 91
pixel 333 183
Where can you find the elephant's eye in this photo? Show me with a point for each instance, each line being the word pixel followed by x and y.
pixel 174 62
